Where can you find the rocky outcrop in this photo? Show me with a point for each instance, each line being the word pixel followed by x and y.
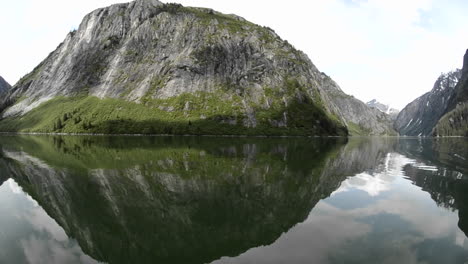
pixel 419 117
pixel 392 112
pixel 149 67
pixel 4 86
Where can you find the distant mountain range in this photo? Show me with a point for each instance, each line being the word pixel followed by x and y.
pixel 392 112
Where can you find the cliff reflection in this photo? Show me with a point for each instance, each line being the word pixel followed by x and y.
pixel 177 200
pixel 444 174
pixel 196 200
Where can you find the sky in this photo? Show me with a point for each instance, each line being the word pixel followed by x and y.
pixel 389 50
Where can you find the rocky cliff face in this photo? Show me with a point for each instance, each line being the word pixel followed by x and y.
pixel 166 68
pixel 454 122
pixel 4 86
pixel 419 117
pixel 392 112
pixel 149 67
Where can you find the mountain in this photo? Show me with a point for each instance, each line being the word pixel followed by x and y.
pixel 358 117
pixel 419 117
pixel 392 112
pixel 154 68
pixel 4 86
pixel 454 122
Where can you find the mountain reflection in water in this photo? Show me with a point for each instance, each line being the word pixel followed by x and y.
pixel 232 200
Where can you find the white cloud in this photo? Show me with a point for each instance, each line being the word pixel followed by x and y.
pixel 385 49
pixel 380 180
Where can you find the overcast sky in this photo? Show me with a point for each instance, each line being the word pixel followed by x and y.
pixel 385 49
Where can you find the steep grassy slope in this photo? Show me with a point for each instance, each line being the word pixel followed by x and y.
pixel 205 114
pixel 454 123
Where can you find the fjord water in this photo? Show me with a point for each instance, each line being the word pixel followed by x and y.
pixel 77 199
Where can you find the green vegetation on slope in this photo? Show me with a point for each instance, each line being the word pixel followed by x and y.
pixel 454 123
pixel 232 23
pixel 357 130
pixel 197 114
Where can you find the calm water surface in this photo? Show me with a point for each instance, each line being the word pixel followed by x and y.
pixel 224 200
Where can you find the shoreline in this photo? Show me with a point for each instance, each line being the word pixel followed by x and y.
pixel 159 135
pixel 223 136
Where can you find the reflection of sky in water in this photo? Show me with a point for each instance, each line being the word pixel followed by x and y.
pixel 29 235
pixel 374 217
